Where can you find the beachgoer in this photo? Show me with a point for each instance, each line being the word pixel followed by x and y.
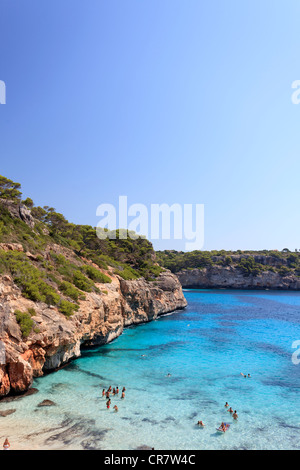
pixel 124 389
pixel 114 391
pixel 226 405
pixel 235 416
pixel 123 395
pixel 200 423
pixel 103 392
pixel 230 410
pixel 116 408
pixel 108 403
pixel 117 390
pixel 6 444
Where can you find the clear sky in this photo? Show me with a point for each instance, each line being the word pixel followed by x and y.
pixel 164 101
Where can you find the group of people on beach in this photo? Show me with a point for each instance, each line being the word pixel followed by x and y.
pixel 112 391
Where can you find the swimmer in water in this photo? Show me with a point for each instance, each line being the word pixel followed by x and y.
pixel 249 376
pixel 103 392
pixel 124 389
pixel 116 408
pixel 108 404
pixel 230 410
pixel 200 423
pixel 235 416
pixel 168 375
pixel 226 405
pixel 114 391
pixel 117 390
pixel 123 395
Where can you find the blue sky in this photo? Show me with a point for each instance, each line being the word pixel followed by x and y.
pixel 164 101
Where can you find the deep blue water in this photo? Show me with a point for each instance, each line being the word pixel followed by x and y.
pixel 205 348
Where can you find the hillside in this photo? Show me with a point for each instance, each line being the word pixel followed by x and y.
pixel 62 288
pixel 245 270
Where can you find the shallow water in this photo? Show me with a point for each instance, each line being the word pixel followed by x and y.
pixel 205 348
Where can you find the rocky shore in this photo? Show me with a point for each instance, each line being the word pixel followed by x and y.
pixel 231 277
pixel 56 339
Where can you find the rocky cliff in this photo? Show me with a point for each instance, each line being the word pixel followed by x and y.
pixel 56 339
pixel 232 277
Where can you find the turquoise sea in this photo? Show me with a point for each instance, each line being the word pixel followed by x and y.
pixel 205 348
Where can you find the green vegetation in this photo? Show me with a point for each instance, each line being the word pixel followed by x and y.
pixel 58 264
pixel 25 322
pixel 9 190
pixel 96 275
pixel 250 263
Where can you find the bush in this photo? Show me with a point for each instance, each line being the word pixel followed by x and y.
pixel 128 274
pixel 70 291
pixel 96 275
pixel 25 322
pixel 67 308
pixel 82 282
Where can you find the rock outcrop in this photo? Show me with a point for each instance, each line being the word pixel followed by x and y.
pixel 232 277
pixel 55 339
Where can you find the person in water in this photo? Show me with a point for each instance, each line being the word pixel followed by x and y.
pixel 123 395
pixel 226 405
pixel 235 416
pixel 107 394
pixel 116 408
pixel 108 403
pixel 114 391
pixel 6 444
pixel 224 427
pixel 124 389
pixel 230 410
pixel 110 389
pixel 200 423
pixel 117 390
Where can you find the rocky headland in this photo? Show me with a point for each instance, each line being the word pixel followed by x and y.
pixel 55 340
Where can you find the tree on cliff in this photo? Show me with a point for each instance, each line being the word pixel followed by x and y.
pixel 9 189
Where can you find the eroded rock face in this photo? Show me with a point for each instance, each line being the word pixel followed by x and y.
pixel 100 319
pixel 233 278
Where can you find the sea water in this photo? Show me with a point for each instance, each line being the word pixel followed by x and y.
pixel 204 348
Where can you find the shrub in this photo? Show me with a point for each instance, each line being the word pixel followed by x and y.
pixel 82 282
pixel 127 274
pixel 67 308
pixel 25 322
pixel 70 291
pixel 96 275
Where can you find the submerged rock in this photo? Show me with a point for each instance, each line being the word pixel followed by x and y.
pixel 47 403
pixel 7 412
